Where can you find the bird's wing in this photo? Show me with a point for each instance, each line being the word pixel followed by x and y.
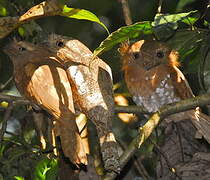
pixel 49 87
pixel 200 120
pixel 181 85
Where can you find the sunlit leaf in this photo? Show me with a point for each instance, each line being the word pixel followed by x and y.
pixel 122 34
pixel 170 19
pixel 4 104
pixel 21 31
pixel 46 169
pixel 19 178
pixel 81 14
pixel 164 25
pixel 53 172
pixel 46 8
pixel 3 11
pixel 190 20
pixel 2 148
pixel 28 135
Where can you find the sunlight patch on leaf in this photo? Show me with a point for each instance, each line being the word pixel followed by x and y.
pixel 170 19
pixel 21 31
pixel 190 20
pixel 46 169
pixel 3 11
pixel 81 14
pixel 19 178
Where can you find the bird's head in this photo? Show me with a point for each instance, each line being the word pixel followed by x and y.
pixel 16 48
pixel 21 52
pixel 67 48
pixel 148 54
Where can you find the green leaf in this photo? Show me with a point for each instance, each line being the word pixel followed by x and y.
pixel 171 19
pixel 19 178
pixel 52 173
pixel 190 20
pixel 46 169
pixel 185 40
pixel 2 148
pixel 188 43
pixel 164 25
pixel 21 31
pixel 122 34
pixel 81 14
pixel 3 11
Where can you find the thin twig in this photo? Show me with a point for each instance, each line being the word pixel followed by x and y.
pixel 140 167
pixel 3 86
pixel 180 141
pixel 126 12
pixel 170 167
pixel 137 163
pixel 5 119
pixel 14 99
pixel 159 6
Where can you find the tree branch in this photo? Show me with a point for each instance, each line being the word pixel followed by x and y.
pixel 146 130
pixel 126 12
pixel 3 86
pixel 4 122
pixel 14 99
pixel 159 6
pixel 130 109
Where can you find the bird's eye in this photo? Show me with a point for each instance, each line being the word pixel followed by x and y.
pixel 21 49
pixel 59 44
pixel 160 54
pixel 136 55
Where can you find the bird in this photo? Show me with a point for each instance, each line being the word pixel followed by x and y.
pixel 152 75
pixel 44 83
pixel 91 81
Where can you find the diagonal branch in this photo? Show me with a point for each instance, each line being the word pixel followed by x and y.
pixel 3 86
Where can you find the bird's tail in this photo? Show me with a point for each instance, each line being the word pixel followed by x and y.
pixel 72 144
pixel 201 122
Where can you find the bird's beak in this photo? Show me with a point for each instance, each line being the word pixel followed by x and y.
pixel 149 66
pixel 148 62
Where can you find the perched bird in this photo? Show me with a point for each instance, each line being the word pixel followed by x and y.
pixel 153 78
pixel 91 81
pixel 45 83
